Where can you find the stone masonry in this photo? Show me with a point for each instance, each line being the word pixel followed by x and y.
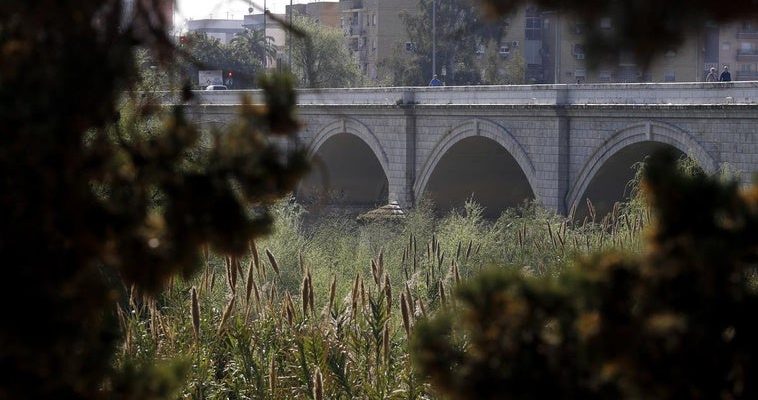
pixel 560 135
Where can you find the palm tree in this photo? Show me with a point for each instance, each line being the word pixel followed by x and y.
pixel 255 44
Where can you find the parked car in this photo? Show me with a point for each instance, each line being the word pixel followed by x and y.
pixel 216 87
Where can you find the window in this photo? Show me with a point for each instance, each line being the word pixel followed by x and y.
pixel 669 76
pixel 374 20
pixel 726 46
pixel 604 76
pixel 605 23
pixel 746 47
pixel 533 26
pixel 578 51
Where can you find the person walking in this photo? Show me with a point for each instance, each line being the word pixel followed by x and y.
pixel 712 76
pixel 725 76
pixel 435 81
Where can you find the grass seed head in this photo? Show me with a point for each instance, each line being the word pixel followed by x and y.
pixel 195 310
pixel 272 260
pixel 225 316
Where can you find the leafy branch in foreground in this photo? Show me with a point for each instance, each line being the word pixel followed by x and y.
pixel 85 205
pixel 677 321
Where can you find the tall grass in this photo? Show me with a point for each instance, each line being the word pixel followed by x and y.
pixel 325 310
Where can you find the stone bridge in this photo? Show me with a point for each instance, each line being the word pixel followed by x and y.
pixel 501 145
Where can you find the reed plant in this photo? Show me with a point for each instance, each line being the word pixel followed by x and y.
pixel 325 309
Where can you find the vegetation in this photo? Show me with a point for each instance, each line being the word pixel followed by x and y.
pixel 320 58
pixel 675 321
pixel 88 205
pixel 245 57
pixel 324 311
pixel 100 217
pixel 462 36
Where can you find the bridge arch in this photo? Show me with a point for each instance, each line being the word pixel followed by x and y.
pixel 468 133
pixel 352 127
pixel 642 136
pixel 350 160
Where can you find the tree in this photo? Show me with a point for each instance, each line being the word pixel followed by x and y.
pixel 496 70
pixel 253 44
pixel 460 31
pixel 402 68
pixel 89 202
pixel 243 56
pixel 320 58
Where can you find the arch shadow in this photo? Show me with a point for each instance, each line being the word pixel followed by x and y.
pixel 352 127
pixel 473 128
pixel 356 136
pixel 651 131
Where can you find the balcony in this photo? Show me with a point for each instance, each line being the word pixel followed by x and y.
pixel 746 76
pixel 747 55
pixel 751 34
pixel 348 5
pixel 356 30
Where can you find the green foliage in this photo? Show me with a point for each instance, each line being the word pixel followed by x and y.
pixel 460 31
pixel 676 321
pixel 90 201
pixel 495 70
pixel 320 58
pixel 244 56
pixel 287 325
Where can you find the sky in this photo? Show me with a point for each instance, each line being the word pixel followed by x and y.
pixel 233 9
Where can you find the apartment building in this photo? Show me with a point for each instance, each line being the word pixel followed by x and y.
pixel 552 47
pixel 221 29
pixel 373 28
pixel 324 12
pixel 737 48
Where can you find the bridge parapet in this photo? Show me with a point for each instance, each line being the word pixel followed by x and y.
pixel 697 93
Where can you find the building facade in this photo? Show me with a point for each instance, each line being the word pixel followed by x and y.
pixel 221 29
pixel 373 28
pixel 552 47
pixel 324 12
pixel 737 48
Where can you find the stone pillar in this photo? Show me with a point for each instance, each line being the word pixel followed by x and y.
pixel 564 134
pixel 401 181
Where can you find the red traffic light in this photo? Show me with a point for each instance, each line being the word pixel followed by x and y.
pixel 230 73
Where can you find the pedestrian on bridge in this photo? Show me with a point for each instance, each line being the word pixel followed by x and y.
pixel 712 76
pixel 435 81
pixel 725 76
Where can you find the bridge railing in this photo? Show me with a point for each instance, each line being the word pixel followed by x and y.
pixel 579 94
